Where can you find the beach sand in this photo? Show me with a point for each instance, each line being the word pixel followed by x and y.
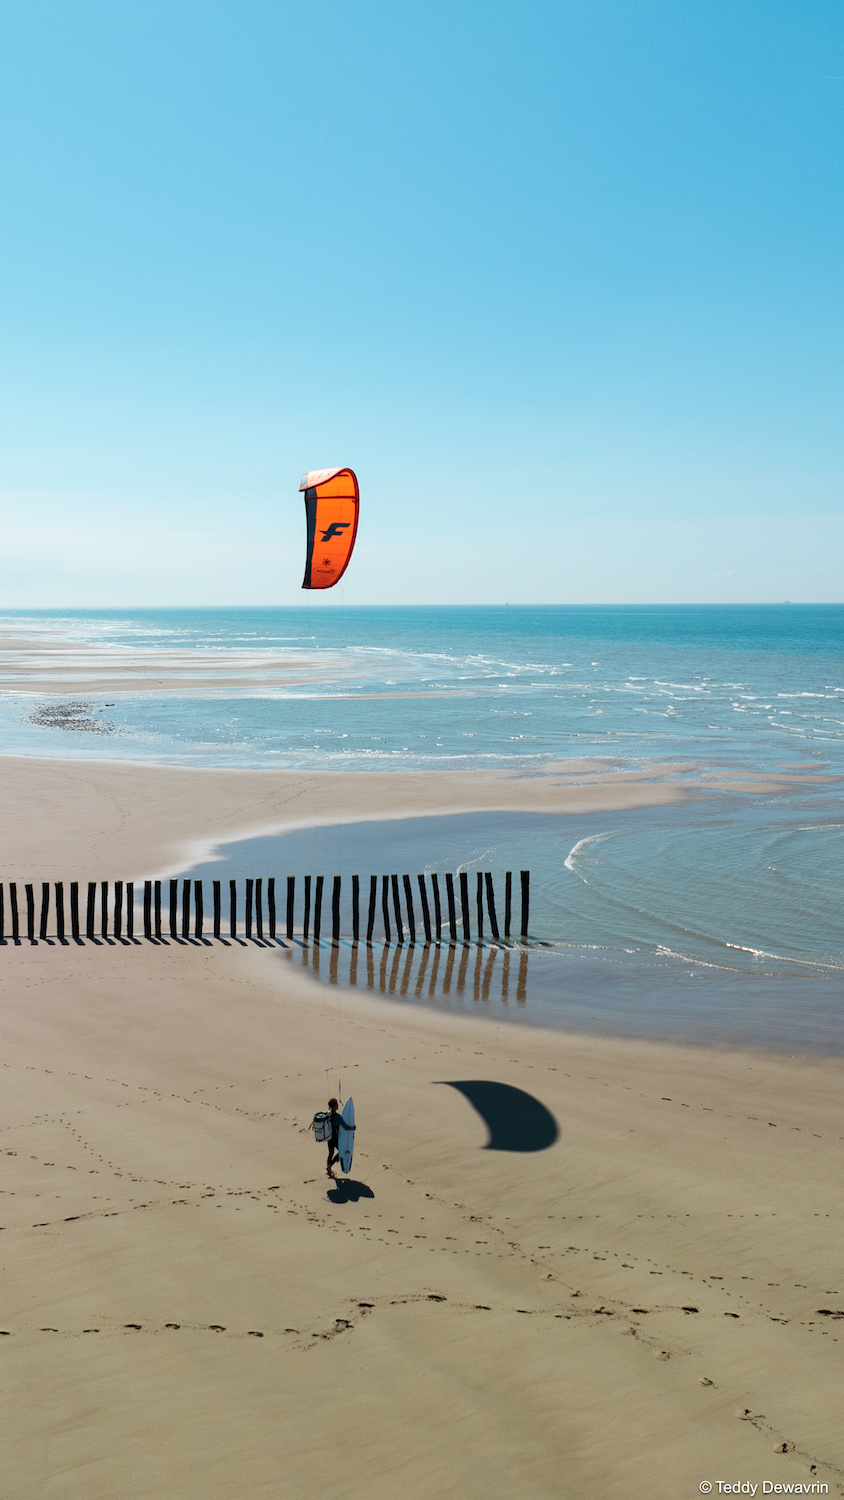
pixel 631 1311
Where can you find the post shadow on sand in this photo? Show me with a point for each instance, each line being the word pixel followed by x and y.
pixel 346 1190
pixel 516 1121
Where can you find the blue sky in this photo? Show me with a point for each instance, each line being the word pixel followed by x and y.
pixel 562 281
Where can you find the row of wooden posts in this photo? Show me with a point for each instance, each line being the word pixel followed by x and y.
pixel 179 924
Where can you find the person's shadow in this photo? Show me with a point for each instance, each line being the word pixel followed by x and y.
pixel 516 1121
pixel 346 1190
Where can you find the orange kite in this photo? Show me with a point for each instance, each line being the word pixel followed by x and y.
pixel 332 502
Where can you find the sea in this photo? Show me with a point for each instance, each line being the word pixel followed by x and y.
pixel 732 895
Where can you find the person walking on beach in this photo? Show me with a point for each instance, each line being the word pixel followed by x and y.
pixel 334 1138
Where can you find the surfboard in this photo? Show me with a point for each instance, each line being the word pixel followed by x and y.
pixel 346 1136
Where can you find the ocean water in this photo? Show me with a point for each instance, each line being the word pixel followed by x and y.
pixel 450 687
pixel 746 887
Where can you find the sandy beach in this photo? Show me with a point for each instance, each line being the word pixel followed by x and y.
pixel 649 1302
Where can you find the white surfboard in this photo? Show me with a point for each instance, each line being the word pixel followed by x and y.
pixel 346 1136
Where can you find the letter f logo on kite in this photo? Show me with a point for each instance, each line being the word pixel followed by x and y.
pixel 335 529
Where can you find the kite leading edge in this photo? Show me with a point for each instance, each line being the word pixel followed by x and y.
pixel 332 502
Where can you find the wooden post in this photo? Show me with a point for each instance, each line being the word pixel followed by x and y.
pixel 130 909
pixel 394 880
pixel 157 894
pixel 490 905
pixel 217 907
pixel 89 915
pixel 525 874
pixel 385 905
pixel 13 901
pixel 271 905
pixel 438 916
pixel 259 909
pixel 249 885
pixel 291 895
pixel 464 905
pixel 174 901
pixel 479 900
pixel 185 908
pixel 411 917
pixel 118 908
pixel 307 918
pixel 147 908
pixel 60 910
pixel 426 914
pixel 103 908
pixel 508 901
pixel 355 908
pixel 233 908
pixel 45 908
pixel 74 910
pixel 335 910
pixel 373 901
pixel 30 913
pixel 452 913
pixel 197 907
pixel 320 881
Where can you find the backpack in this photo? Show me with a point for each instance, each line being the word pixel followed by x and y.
pixel 321 1125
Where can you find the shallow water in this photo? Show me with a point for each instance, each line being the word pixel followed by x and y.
pixel 751 888
pixel 632 932
pixel 737 685
pixel 652 996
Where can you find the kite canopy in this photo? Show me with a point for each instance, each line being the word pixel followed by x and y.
pixel 317 476
pixel 332 502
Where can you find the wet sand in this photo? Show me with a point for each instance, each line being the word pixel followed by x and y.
pixel 622 1297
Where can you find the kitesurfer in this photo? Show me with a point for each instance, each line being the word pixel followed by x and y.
pixel 334 1138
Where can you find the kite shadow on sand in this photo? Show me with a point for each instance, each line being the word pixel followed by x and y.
pixel 516 1121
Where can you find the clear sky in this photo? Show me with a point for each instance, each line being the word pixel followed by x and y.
pixel 561 281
